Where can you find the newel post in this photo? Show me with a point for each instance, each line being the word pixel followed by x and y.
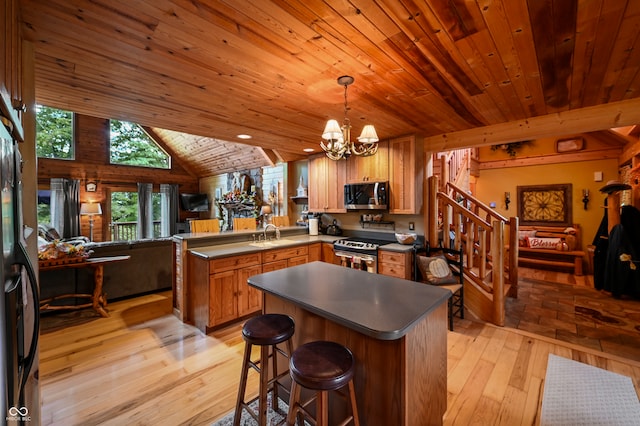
pixel 497 255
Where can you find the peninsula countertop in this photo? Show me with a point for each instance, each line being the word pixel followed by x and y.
pixel 382 307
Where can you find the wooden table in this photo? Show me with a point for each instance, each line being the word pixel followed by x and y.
pixel 98 300
pixel 396 329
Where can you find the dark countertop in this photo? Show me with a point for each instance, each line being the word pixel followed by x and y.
pixel 382 307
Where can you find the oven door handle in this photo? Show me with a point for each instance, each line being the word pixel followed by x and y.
pixel 364 257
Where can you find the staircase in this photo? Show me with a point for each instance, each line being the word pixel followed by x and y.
pixel 456 218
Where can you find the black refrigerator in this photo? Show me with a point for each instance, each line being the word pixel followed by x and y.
pixel 19 303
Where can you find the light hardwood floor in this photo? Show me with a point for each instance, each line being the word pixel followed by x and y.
pixel 143 366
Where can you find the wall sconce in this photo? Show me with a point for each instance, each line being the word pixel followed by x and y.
pixel 585 197
pixel 91 186
pixel 507 200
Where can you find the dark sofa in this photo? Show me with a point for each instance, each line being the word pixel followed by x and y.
pixel 150 269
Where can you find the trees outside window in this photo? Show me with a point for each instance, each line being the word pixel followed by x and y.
pixel 54 133
pixel 130 145
pixel 124 215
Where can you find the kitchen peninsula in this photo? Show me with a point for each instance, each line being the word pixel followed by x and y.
pixel 396 329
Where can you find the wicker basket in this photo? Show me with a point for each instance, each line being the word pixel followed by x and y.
pixel 61 261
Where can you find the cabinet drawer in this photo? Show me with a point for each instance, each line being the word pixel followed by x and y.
pixel 392 270
pixel 284 253
pixel 234 262
pixel 392 257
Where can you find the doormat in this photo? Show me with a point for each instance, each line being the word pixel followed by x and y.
pixel 579 394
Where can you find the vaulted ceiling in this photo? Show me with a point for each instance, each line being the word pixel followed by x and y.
pixel 268 68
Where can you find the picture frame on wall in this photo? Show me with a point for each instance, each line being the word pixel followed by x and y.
pixel 545 205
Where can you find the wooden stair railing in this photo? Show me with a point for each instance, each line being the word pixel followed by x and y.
pixel 464 220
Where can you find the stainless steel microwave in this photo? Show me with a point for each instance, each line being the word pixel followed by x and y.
pixel 366 196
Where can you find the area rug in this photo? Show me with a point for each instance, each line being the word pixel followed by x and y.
pixel 273 417
pixel 579 394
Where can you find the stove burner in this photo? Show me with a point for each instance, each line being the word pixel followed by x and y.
pixel 355 245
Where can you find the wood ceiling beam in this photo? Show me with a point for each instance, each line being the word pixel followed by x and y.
pixel 614 114
pixel 271 156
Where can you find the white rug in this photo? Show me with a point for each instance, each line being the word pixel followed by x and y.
pixel 579 394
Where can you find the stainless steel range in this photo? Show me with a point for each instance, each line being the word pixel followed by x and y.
pixel 358 254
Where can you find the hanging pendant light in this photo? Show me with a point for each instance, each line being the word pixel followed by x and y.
pixel 337 142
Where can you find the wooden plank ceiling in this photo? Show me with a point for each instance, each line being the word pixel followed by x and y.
pixel 268 68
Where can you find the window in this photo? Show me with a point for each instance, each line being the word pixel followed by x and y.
pixel 131 145
pixel 124 215
pixel 54 133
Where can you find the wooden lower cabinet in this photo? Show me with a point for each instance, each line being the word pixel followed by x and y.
pixel 315 252
pixel 328 255
pixel 395 264
pixel 218 288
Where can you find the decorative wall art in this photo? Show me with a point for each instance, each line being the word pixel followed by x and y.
pixel 545 205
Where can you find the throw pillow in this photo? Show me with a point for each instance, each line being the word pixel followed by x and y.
pixel 523 237
pixel 435 270
pixel 544 243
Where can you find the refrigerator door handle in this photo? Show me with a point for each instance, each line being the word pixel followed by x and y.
pixel 22 258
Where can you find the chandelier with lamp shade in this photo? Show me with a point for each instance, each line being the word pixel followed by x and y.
pixel 337 142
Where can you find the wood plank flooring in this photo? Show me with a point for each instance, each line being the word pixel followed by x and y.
pixel 142 366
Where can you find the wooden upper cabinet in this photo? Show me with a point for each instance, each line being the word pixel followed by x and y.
pixel 369 169
pixel 326 184
pixel 406 175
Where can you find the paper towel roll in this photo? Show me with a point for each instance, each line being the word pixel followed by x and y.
pixel 313 226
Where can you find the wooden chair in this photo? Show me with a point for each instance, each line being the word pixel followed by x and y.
pixel 442 267
pixel 280 220
pixel 244 223
pixel 205 225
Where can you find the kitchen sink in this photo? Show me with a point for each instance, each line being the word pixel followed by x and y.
pixel 274 243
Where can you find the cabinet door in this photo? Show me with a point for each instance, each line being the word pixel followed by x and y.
pixel 326 184
pixel 369 169
pixel 406 175
pixel 317 190
pixel 315 252
pixel 328 254
pixel 249 298
pixel 223 297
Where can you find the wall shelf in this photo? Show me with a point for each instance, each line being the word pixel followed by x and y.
pixel 385 223
pixel 299 200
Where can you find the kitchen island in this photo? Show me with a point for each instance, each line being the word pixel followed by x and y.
pixel 396 329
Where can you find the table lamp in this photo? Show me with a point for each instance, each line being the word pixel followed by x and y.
pixel 90 209
pixel 265 211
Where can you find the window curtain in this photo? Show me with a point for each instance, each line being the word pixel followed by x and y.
pixel 169 214
pixel 145 211
pixel 65 206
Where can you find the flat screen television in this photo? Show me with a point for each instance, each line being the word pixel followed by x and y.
pixel 194 202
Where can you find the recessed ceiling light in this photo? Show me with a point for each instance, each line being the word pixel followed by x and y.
pixel 243 136
pixel 308 150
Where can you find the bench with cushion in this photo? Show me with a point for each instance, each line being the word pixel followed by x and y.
pixel 551 246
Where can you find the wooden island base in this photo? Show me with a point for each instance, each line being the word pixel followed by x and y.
pixel 398 382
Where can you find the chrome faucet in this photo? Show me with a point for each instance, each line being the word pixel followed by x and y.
pixel 276 229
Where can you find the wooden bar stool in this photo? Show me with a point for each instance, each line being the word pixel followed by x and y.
pixel 321 366
pixel 266 331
